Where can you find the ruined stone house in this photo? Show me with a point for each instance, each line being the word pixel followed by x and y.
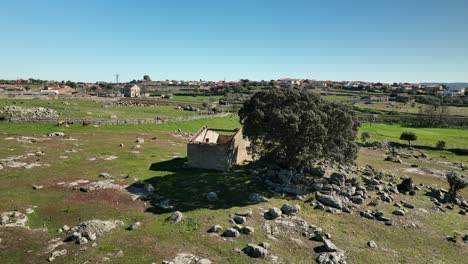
pixel 131 90
pixel 217 149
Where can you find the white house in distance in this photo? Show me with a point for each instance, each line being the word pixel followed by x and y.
pixel 131 90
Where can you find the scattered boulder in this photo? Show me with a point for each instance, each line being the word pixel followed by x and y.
pixel 231 232
pixel 90 230
pixel 25 113
pixel 140 140
pixel 255 251
pixel 247 230
pixel 274 212
pixel 329 246
pixel 367 215
pixel 337 178
pixel 99 185
pixel 288 209
pixel 185 258
pixel 57 253
pixel 257 198
pixel 37 187
pixel 406 186
pixel 105 175
pixel 399 212
pixel 134 226
pixel 13 218
pixel 215 229
pixel 407 205
pixel 330 200
pixel 56 134
pixel 175 217
pixel 337 257
pixel 372 244
pixel 239 219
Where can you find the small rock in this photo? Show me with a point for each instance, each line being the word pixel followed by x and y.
pixel 239 219
pixel 37 187
pixel 255 251
pixel 372 244
pixel 231 232
pixel 215 229
pixel 257 198
pixel 57 253
pixel 399 212
pixel 367 215
pixel 82 240
pixel 289 209
pixel 176 217
pixel 247 230
pixel 56 134
pixel 134 226
pixel 407 205
pixel 329 246
pixel 274 212
pixel 105 175
pixel 264 245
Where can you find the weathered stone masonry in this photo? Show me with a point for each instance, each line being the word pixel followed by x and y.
pixel 210 150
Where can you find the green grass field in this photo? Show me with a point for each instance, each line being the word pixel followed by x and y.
pixel 455 138
pixel 161 162
pixel 93 109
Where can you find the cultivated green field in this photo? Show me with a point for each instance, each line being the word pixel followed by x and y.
pixel 94 109
pixel 455 138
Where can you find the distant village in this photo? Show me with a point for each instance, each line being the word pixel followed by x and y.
pixel 148 88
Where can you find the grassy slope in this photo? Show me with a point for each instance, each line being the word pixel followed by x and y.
pixel 156 240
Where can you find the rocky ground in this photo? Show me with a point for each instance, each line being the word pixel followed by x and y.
pixel 21 112
pixel 87 196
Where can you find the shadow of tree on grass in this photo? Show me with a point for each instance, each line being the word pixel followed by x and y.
pixel 187 187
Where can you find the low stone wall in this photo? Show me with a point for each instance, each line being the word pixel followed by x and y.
pixel 118 121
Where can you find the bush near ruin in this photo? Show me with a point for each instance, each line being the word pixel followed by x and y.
pixel 456 182
pixel 295 128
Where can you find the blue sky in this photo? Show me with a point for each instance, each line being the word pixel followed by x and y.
pixel 91 40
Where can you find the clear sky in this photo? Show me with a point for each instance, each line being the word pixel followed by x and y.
pixel 373 40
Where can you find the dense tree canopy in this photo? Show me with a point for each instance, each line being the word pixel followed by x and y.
pixel 295 128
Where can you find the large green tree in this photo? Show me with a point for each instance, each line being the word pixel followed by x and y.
pixel 296 128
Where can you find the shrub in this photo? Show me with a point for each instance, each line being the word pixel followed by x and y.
pixel 440 144
pixel 365 136
pixel 408 136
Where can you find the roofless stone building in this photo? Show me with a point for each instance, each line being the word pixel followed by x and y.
pixel 217 149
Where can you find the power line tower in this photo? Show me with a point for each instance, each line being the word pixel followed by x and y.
pixel 117 78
